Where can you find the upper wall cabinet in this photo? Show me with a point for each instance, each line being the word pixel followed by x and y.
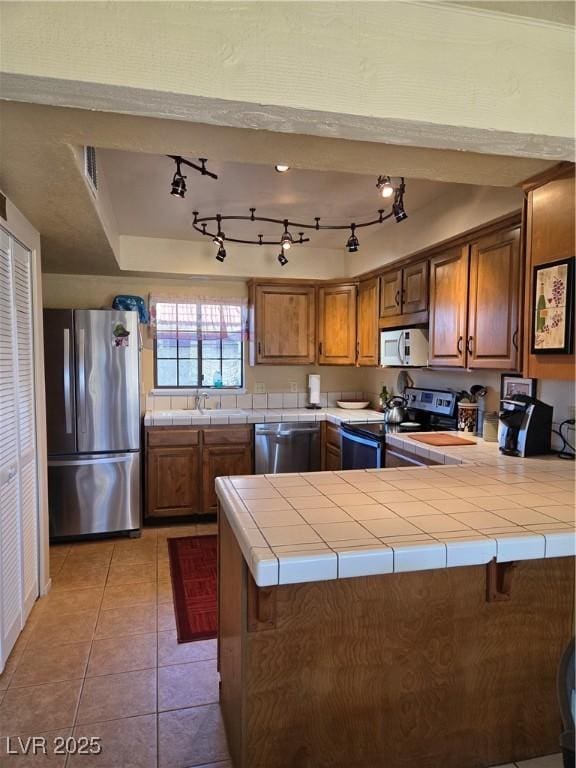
pixel 367 347
pixel 337 324
pixel 474 303
pixel 492 340
pixel 283 319
pixel 404 295
pixel 550 230
pixel 448 303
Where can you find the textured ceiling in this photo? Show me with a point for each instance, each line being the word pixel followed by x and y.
pixel 139 189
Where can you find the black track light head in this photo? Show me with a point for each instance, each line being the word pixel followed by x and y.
pixel 219 238
pixel 399 212
pixel 286 240
pixel 282 259
pixel 178 185
pixel 384 184
pixel 353 244
pixel 221 255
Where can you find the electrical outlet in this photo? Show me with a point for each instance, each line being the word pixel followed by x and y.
pixel 259 388
pixel 293 386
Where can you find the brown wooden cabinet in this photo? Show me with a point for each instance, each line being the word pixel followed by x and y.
pixel 331 452
pixel 492 339
pixel 550 236
pixel 173 481
pixel 404 295
pixel 367 330
pixel 448 307
pixel 182 464
pixel 474 303
pixel 283 320
pixel 337 324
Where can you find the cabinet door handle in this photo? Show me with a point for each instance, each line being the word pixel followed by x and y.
pixel 319 347
pixel 459 344
pixel 515 339
pixel 397 298
pixel 259 348
pixel 469 344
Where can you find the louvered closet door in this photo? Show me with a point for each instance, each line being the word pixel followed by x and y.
pixel 22 293
pixel 10 534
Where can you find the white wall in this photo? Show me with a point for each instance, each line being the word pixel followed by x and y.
pixel 420 73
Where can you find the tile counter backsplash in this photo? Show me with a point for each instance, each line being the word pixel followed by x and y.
pixel 283 400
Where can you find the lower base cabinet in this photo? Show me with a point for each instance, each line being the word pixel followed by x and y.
pixel 182 465
pixel 331 448
pixel 222 461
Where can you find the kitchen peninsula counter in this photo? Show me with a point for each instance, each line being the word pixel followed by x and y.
pixel 396 617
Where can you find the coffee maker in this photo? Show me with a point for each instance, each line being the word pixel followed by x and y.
pixel 525 426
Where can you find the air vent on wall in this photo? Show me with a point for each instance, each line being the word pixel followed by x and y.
pixel 90 167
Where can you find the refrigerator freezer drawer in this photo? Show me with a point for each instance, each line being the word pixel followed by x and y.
pixel 94 494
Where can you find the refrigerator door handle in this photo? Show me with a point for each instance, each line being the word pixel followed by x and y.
pixel 87 462
pixel 67 387
pixel 82 378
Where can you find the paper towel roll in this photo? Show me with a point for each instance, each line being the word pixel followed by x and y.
pixel 314 389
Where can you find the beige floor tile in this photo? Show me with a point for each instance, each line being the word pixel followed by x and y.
pixel 180 530
pixel 61 549
pixel 163 569
pixel 547 761
pixel 129 594
pixel 78 557
pixel 39 708
pixel 56 562
pixel 53 627
pixel 103 545
pixel 131 573
pixel 109 697
pixel 190 737
pixel 130 620
pixel 10 668
pixel 166 617
pixel 51 664
pixel 39 760
pixel 165 594
pixel 72 600
pixel 170 651
pixel 126 743
pixel 143 552
pixel 75 576
pixel 122 654
pixel 187 685
pixel 149 534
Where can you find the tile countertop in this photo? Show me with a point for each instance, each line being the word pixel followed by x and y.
pixel 473 507
pixel 242 416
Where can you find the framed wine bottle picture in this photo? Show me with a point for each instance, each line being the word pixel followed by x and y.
pixel 553 303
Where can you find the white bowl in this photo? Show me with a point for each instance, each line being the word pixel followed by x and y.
pixel 353 405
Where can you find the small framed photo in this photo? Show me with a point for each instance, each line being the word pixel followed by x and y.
pixel 553 307
pixel 511 384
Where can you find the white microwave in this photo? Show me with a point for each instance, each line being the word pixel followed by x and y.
pixel 404 347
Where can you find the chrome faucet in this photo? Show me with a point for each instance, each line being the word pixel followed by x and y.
pixel 199 398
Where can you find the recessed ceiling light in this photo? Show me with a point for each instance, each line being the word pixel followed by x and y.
pixel 282 168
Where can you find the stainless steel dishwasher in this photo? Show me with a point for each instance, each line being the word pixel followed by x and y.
pixel 286 447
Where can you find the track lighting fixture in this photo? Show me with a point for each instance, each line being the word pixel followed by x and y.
pixel 384 184
pixel 282 168
pixel 286 239
pixel 353 244
pixel 178 187
pixel 398 205
pixel 178 182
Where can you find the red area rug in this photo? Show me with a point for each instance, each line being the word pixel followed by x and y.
pixel 193 572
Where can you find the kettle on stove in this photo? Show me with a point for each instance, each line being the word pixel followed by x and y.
pixel 395 412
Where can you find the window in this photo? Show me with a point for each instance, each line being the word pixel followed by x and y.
pixel 197 342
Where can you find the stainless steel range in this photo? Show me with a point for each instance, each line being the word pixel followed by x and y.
pixel 364 444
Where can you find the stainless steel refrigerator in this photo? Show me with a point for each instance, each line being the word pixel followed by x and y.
pixel 93 421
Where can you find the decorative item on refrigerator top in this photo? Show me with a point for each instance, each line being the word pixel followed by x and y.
pixel 132 304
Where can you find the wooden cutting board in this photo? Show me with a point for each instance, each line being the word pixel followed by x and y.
pixel 441 439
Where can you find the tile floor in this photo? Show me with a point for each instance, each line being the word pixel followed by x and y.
pixel 99 657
